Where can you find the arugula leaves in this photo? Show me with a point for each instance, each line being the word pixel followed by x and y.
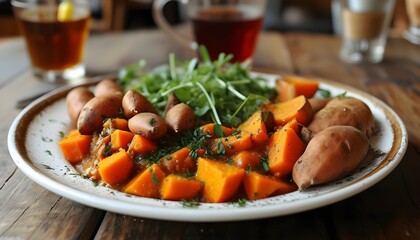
pixel 217 91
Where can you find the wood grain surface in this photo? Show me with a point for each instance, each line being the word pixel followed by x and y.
pixel 388 210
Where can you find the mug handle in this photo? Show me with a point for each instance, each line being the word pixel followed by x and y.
pixel 162 23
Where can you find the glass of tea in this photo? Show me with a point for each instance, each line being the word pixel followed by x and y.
pixel 55 34
pixel 225 26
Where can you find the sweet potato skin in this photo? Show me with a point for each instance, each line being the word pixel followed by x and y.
pixel 331 154
pixel 148 125
pixel 106 87
pixel 76 100
pixel 96 110
pixel 318 103
pixel 134 102
pixel 346 111
pixel 180 118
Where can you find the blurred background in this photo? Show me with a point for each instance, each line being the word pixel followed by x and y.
pixel 281 15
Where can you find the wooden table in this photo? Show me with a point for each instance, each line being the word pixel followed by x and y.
pixel 388 210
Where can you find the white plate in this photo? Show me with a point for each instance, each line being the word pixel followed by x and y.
pixel 33 144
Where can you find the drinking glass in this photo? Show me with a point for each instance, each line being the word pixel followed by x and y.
pixel 222 26
pixel 413 32
pixel 55 35
pixel 365 26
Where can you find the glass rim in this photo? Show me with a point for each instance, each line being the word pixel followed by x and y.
pixel 33 3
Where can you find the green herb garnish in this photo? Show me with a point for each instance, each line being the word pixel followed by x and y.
pixel 324 93
pixel 242 202
pixel 190 204
pixel 264 163
pixel 217 91
pixel 154 177
pixel 220 148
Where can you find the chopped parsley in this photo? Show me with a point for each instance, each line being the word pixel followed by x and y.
pixel 190 204
pixel 264 163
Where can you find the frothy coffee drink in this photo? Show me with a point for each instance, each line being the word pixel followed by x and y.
pixel 363 25
pixel 413 10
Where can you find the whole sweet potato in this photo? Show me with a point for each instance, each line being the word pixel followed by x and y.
pixel 97 110
pixel 148 125
pixel 172 101
pixel 76 100
pixel 318 103
pixel 180 118
pixel 346 111
pixel 331 154
pixel 106 87
pixel 134 102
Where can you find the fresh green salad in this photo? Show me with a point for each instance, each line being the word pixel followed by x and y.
pixel 218 91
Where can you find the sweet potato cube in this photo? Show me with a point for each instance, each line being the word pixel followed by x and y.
pixel 255 125
pixel 284 187
pixel 181 161
pixel 116 123
pixel 285 90
pixel 75 147
pixel 298 107
pixel 146 183
pixel 293 124
pixel 231 144
pixel 221 180
pixel 142 145
pixel 209 129
pixel 120 139
pixel 284 149
pixel 247 158
pixel 258 186
pixel 116 168
pixel 175 187
pixel 292 86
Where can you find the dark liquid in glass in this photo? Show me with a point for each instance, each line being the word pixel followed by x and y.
pixel 54 45
pixel 229 30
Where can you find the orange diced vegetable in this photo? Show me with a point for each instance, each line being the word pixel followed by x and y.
pixel 146 183
pixel 284 148
pixel 231 144
pixel 293 124
pixel 175 187
pixel 221 180
pixel 116 123
pixel 121 139
pixel 284 187
pixel 209 129
pixel 142 145
pixel 75 147
pixel 247 158
pixel 298 107
pixel 292 86
pixel 116 168
pixel 256 126
pixel 181 161
pixel 258 186
pixel 120 123
pixel 74 132
pixel 286 90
